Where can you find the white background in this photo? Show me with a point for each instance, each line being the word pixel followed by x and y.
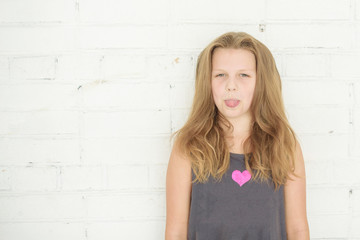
pixel 90 91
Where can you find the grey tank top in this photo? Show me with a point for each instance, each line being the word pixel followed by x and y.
pixel 236 208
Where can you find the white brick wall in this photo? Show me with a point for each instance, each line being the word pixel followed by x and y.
pixel 90 91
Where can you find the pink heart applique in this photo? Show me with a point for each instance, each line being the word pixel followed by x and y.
pixel 241 177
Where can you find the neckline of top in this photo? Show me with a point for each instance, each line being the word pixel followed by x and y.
pixel 237 154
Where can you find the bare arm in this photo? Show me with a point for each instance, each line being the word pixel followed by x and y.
pixel 178 192
pixel 295 201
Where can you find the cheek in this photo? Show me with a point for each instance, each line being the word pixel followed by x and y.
pixel 214 89
pixel 251 95
pixel 216 94
pixel 251 90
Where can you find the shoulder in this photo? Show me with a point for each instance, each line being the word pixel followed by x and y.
pixel 179 168
pixel 178 156
pixel 297 172
pixel 295 198
pixel 299 160
pixel 178 192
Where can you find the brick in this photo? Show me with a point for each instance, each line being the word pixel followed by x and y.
pixel 307 92
pixel 34 178
pixel 116 67
pixel 126 206
pixel 357 35
pixel 112 11
pixel 119 124
pixel 127 96
pixel 355 134
pixel 302 35
pixel 188 11
pixel 38 96
pixel 343 65
pixel 79 67
pixel 33 68
pixel 157 176
pixel 54 11
pixel 322 119
pixel 5 180
pixel 328 200
pixel 82 177
pixel 308 10
pixel 92 66
pixel 42 207
pixel 150 230
pixel 39 39
pixel 346 172
pixel 39 151
pixel 179 118
pixel 355 200
pixel 315 177
pixel 4 69
pixel 175 67
pixel 329 226
pixel 198 36
pixel 182 94
pixel 324 147
pixel 42 230
pixel 124 37
pixel 354 231
pixel 279 61
pixel 45 122
pixel 356 92
pixel 306 65
pixel 127 177
pixel 125 150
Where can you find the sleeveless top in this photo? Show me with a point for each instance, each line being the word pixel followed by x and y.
pixel 236 208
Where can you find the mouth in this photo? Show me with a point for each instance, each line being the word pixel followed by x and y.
pixel 232 102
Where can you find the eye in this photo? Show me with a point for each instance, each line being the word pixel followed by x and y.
pixel 219 75
pixel 244 75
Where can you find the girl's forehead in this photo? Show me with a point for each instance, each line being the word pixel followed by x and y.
pixel 232 55
pixel 242 60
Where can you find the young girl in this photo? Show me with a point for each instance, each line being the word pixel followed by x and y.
pixel 236 170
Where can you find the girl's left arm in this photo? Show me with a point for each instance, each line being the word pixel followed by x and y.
pixel 295 201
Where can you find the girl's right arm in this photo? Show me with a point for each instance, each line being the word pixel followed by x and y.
pixel 178 192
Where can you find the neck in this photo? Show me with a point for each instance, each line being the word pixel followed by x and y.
pixel 241 128
pixel 241 131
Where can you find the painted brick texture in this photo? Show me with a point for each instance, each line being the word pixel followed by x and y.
pixel 90 91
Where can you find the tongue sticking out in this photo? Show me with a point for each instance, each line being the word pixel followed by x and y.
pixel 232 103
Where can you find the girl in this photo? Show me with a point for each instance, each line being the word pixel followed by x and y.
pixel 236 170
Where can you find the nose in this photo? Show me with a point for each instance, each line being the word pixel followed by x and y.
pixel 231 88
pixel 231 85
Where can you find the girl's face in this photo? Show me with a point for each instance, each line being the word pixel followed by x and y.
pixel 233 80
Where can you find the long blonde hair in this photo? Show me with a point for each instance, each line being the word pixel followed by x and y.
pixel 270 148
